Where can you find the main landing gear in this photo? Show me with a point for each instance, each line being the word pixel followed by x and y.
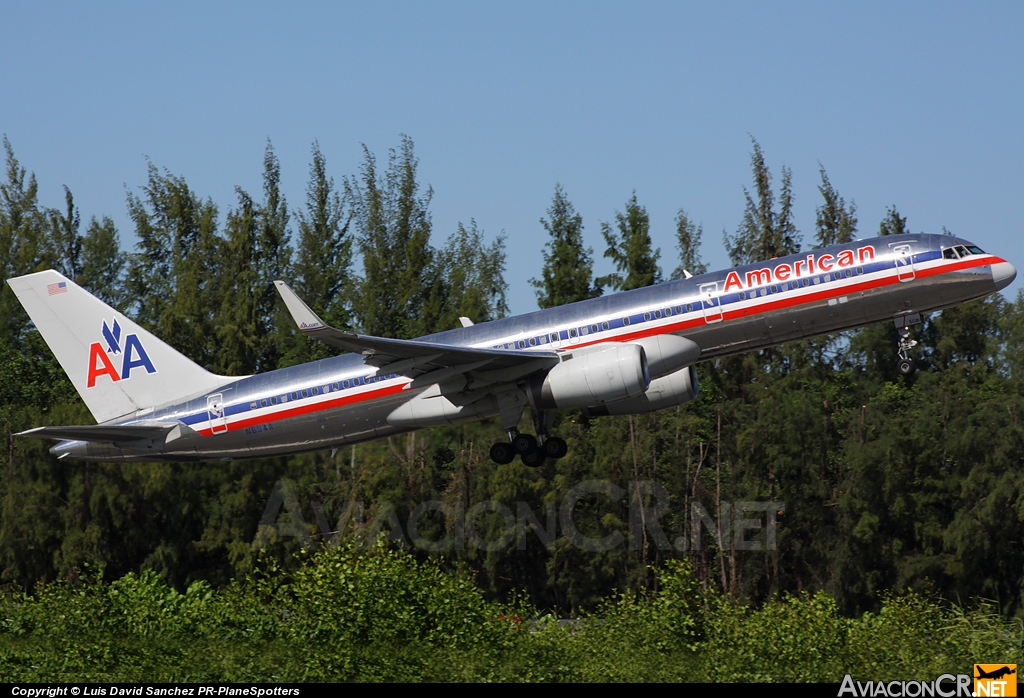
pixel 532 450
pixel 905 365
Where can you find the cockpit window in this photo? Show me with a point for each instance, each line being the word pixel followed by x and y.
pixel 974 249
pixel 962 250
pixel 950 253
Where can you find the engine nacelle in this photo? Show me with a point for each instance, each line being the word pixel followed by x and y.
pixel 606 374
pixel 668 353
pixel 674 389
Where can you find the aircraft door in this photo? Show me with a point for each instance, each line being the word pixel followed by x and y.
pixel 215 406
pixel 904 263
pixel 709 302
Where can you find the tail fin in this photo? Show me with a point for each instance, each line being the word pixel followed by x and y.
pixel 116 366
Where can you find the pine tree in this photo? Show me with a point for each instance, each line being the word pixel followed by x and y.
pixel 238 329
pixel 467 280
pixel 567 273
pixel 836 223
pixel 688 243
pixel 630 249
pixel 324 253
pixel 103 262
pixel 393 224
pixel 272 261
pixel 175 276
pixel 764 233
pixel 893 224
pixel 24 247
pixel 64 237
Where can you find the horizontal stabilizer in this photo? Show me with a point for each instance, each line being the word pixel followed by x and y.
pixel 382 352
pixel 104 432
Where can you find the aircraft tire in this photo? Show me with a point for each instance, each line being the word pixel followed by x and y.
pixel 555 447
pixel 533 459
pixel 502 453
pixel 524 443
pixel 906 367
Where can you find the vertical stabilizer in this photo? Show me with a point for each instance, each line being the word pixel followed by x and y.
pixel 116 366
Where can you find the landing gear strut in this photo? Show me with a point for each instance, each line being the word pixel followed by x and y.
pixel 905 365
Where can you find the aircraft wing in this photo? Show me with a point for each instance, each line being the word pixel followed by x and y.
pixel 411 358
pixel 103 432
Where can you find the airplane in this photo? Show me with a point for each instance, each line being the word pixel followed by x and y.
pixel 628 353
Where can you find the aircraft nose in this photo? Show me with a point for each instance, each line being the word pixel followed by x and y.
pixel 1003 274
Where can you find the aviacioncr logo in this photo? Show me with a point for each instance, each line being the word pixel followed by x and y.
pixel 133 355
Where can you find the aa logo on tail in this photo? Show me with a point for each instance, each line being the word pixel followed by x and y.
pixel 101 361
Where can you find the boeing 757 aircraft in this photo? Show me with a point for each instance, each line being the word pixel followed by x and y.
pixel 627 353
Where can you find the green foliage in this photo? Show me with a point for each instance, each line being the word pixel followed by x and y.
pixel 836 222
pixel 567 275
pixel 630 249
pixel 764 232
pixel 893 223
pixel 688 244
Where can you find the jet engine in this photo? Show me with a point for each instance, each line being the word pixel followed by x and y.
pixel 606 374
pixel 674 389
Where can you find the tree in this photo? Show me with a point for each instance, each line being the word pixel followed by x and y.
pixel 467 280
pixel 567 273
pixel 175 276
pixel 764 232
pixel 64 237
pixel 272 261
pixel 893 224
pixel 23 243
pixel 393 234
pixel 836 223
pixel 688 243
pixel 102 268
pixel 630 249
pixel 324 253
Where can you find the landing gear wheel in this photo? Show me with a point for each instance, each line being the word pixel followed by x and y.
pixel 555 447
pixel 906 367
pixel 533 459
pixel 502 453
pixel 524 443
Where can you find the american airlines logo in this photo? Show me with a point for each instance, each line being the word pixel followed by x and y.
pixel 132 354
pixel 803 267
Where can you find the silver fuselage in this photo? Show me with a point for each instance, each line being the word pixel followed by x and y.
pixel 337 401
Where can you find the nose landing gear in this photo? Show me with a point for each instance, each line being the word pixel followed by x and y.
pixel 904 364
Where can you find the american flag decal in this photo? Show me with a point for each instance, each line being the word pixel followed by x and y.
pixel 54 289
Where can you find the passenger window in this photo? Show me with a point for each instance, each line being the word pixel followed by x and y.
pixel 263 402
pixel 689 307
pixel 679 310
pixel 647 317
pixel 860 270
pixel 533 341
pixel 668 312
pixel 273 400
pixel 657 314
pixel 605 325
pixel 625 322
pixel 763 292
pixel 572 332
pixel 554 336
pixel 593 329
pixel 336 386
pixel 743 295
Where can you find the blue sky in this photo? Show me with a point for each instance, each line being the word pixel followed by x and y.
pixel 914 104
